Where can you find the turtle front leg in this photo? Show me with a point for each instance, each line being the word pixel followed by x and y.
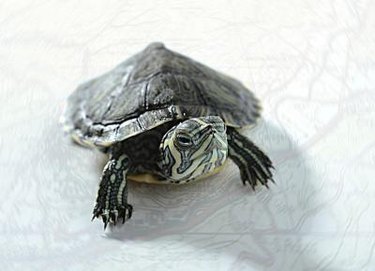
pixel 253 163
pixel 111 202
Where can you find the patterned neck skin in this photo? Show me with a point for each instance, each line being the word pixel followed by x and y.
pixel 193 148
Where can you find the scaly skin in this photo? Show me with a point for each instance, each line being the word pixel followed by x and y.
pixel 206 142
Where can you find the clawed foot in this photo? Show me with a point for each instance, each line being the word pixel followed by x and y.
pixel 254 164
pixel 257 169
pixel 253 177
pixel 113 215
pixel 111 202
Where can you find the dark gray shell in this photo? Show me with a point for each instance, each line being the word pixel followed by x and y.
pixel 152 87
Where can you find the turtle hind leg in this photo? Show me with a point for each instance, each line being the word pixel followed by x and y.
pixel 253 163
pixel 111 202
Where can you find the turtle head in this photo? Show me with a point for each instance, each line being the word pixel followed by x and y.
pixel 193 148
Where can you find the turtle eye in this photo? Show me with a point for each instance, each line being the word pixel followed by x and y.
pixel 184 140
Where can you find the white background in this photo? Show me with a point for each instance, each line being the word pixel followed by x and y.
pixel 310 62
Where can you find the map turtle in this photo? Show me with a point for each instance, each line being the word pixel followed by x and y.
pixel 163 118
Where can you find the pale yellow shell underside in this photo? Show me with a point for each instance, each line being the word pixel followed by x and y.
pixel 150 178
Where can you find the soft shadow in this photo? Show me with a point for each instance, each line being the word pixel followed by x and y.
pixel 269 224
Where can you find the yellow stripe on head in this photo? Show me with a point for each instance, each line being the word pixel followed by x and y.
pixel 193 148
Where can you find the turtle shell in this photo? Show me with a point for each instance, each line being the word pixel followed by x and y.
pixel 150 88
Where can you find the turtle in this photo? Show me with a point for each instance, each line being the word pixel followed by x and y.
pixel 162 117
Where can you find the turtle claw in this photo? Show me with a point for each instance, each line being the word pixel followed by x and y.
pixel 114 215
pixel 105 220
pixel 254 182
pixel 125 212
pixel 251 183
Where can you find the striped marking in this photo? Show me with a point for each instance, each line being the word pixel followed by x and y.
pixel 208 150
pixel 254 165
pixel 111 201
pixel 250 153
